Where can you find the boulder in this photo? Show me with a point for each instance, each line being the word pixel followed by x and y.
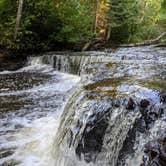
pixel 155 152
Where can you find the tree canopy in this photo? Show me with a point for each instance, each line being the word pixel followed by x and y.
pixel 46 24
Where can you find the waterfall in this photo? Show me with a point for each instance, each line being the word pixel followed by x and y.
pixel 111 108
pixel 92 132
pixel 72 63
pixel 85 109
pixel 32 99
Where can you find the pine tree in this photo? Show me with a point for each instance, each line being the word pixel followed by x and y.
pixel 123 18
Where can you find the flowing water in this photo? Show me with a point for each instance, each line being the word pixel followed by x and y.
pixel 83 109
pixel 31 102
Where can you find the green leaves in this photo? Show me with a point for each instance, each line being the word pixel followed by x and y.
pixel 135 20
pixel 46 22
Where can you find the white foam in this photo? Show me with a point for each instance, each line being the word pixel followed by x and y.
pixel 34 141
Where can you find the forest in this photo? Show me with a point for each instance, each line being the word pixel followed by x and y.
pixel 57 24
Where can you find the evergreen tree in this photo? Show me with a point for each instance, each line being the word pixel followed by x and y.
pixel 123 19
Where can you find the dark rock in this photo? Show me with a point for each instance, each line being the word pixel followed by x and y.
pixel 151 112
pixel 18 126
pixel 116 103
pixel 144 103
pixel 8 63
pixel 155 152
pixel 92 138
pixel 6 152
pixel 130 104
pixel 4 54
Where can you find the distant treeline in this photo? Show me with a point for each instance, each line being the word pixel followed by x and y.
pixel 46 24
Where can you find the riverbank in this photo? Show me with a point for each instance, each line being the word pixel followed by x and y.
pixel 94 45
pixel 10 63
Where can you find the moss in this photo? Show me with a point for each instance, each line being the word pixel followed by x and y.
pixel 99 90
pixel 106 83
pixel 154 84
pixel 110 65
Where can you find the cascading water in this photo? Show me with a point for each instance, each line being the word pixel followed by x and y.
pixel 106 118
pixel 74 63
pixel 31 102
pixel 115 111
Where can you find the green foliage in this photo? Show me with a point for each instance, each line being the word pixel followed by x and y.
pixel 148 22
pixel 135 20
pixel 39 22
pixel 7 22
pixel 123 15
pixel 76 22
pixel 44 24
pixel 47 24
pixel 162 20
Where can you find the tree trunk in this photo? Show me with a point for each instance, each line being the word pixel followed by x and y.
pixel 108 25
pixel 18 19
pixel 108 33
pixel 96 3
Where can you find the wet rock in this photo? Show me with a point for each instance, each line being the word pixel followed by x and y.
pixel 116 103
pixel 11 162
pixel 18 126
pixel 152 114
pixel 6 152
pixel 155 153
pixel 4 54
pixel 21 80
pixel 92 138
pixel 130 104
pixel 96 139
pixel 144 103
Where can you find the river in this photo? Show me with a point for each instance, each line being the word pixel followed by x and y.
pixel 83 109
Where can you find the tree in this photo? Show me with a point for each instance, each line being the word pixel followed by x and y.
pixel 123 17
pixel 18 19
pixel 44 24
pixel 100 23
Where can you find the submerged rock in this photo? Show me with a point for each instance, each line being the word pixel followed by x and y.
pixel 155 152
pixel 92 138
pixel 130 104
pixel 144 103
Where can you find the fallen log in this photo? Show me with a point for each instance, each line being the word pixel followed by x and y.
pixel 99 43
pixel 86 46
pixel 145 43
pixel 93 44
